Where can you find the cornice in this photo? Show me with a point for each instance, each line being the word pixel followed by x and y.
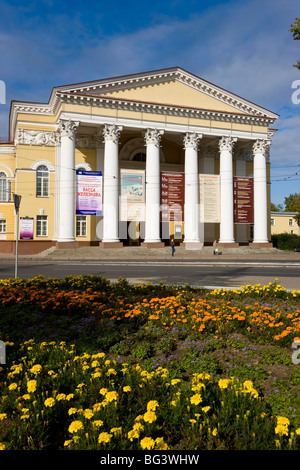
pixel 105 101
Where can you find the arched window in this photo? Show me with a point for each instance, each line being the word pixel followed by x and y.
pixel 139 157
pixel 42 181
pixel 3 186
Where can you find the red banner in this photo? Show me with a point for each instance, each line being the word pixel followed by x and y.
pixel 172 196
pixel 243 200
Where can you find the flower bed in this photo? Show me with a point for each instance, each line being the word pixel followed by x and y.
pixel 96 365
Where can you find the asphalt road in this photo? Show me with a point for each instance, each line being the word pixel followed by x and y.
pixel 213 274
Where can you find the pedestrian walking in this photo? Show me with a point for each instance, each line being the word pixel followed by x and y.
pixel 173 246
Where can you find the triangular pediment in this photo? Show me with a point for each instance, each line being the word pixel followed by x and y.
pixel 174 87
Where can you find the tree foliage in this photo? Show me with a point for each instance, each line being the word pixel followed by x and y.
pixel 295 30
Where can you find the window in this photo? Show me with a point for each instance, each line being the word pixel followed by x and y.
pixel 272 221
pixel 139 157
pixel 2 226
pixel 42 226
pixel 291 221
pixel 42 181
pixel 3 187
pixel 81 226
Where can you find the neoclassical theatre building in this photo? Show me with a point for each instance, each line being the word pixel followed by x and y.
pixel 137 160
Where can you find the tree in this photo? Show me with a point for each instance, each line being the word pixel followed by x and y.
pixel 276 207
pixel 295 29
pixel 291 202
pixel 297 216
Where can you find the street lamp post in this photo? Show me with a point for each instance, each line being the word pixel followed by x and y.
pixel 17 202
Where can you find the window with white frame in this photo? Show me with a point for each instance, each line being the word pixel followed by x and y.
pixel 42 181
pixel 291 221
pixel 3 187
pixel 80 226
pixel 2 226
pixel 272 221
pixel 42 226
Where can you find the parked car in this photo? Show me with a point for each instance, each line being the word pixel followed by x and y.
pixel 297 248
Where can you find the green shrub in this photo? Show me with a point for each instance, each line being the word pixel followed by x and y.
pixel 285 241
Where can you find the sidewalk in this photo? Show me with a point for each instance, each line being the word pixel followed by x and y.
pixel 141 253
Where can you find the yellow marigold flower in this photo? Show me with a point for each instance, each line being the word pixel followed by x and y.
pixel 116 431
pixel 215 432
pixel 75 426
pixel 98 423
pixel 283 420
pixel 36 369
pixel 196 399
pixel 2 446
pixel 127 388
pixel 147 443
pixel 103 391
pixel 160 444
pixel 96 375
pixel 49 402
pixel 175 381
pixel 61 396
pixel 111 372
pixel 149 417
pixel 87 413
pixel 298 431
pixel 281 429
pixel 223 383
pixel 68 442
pixel 104 437
pixel 152 405
pixel 26 396
pixel 12 386
pixel 70 396
pixel 133 434
pixel 31 386
pixel 97 407
pixel 111 396
pixel 3 416
pixel 72 411
pixel 205 409
pixel 138 427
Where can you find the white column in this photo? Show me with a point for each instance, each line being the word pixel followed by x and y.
pixel 67 178
pixel 152 226
pixel 191 189
pixel 226 191
pixel 111 184
pixel 260 192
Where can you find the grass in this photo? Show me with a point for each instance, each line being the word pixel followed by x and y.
pixel 96 365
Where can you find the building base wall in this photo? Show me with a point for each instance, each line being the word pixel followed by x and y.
pixel 261 245
pixel 25 247
pixel 111 244
pixel 152 245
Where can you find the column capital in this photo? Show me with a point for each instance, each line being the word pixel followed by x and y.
pixel 261 146
pixel 227 143
pixel 153 136
pixel 67 128
pixel 112 132
pixel 191 140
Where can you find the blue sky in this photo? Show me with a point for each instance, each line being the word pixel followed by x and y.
pixel 242 46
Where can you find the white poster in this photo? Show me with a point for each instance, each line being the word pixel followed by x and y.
pixel 209 198
pixel 132 199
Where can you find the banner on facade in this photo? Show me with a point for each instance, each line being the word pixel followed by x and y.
pixel 26 228
pixel 89 192
pixel 243 200
pixel 209 186
pixel 132 195
pixel 172 196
